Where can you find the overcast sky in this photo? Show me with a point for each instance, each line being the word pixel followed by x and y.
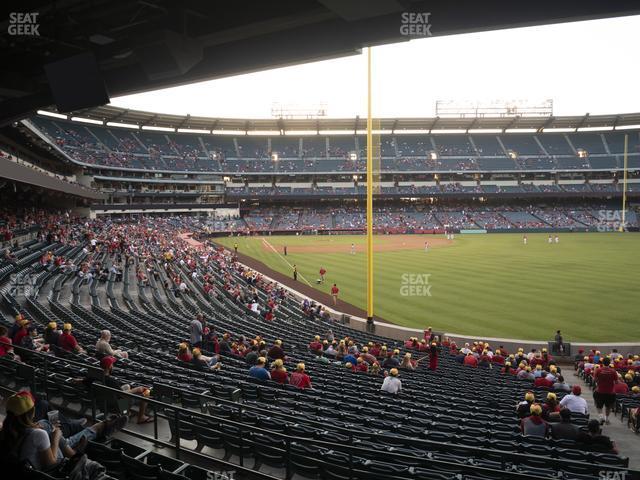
pixel 583 66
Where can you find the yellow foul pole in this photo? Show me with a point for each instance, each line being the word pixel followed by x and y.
pixel 624 184
pixel 369 196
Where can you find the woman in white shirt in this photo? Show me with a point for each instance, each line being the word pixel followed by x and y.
pixel 392 383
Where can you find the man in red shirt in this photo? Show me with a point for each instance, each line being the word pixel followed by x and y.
pixel 67 341
pixel 470 360
pixel 604 396
pixel 334 294
pixel 299 378
pixel 322 273
pixel 21 333
pixel 543 381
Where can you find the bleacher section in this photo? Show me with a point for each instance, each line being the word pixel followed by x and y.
pixel 144 149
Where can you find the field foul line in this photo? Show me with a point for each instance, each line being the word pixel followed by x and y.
pixel 285 260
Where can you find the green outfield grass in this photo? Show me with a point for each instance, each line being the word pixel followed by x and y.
pixel 588 285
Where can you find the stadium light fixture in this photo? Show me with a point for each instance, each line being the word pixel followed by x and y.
pixel 158 129
pixel 433 155
pixel 582 153
pixel 520 130
pixel 595 129
pixel 123 125
pixel 558 130
pixel 409 131
pixel 193 130
pixel 274 156
pixel 301 133
pixel 263 132
pixel 336 132
pixel 51 114
pixel 86 120
pixel 353 156
pixel 446 131
pixel 627 127
pixel 513 154
pixel 226 179
pixel 485 130
pixel 227 132
pixel 355 178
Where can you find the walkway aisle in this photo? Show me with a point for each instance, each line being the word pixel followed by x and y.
pixel 628 443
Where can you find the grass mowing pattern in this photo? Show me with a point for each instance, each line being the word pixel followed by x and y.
pixel 588 285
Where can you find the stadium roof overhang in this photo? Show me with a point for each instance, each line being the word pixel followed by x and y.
pixel 141 45
pixel 113 116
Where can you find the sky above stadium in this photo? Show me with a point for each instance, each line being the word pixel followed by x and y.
pixel 583 66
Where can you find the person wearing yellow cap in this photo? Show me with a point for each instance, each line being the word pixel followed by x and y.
pixel 41 443
pixel 67 341
pixel 300 378
pixel 52 334
pixel 279 373
pixel 391 383
pixel 184 354
pixel 534 425
pixel 276 351
pixel 406 363
pixel 523 409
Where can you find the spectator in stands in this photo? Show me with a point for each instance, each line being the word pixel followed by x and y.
pixel 550 408
pixel 252 356
pixel 526 374
pixel 41 444
pixel 534 425
pixel 276 352
pixel 470 360
pixel 604 396
pixel 259 371
pixel 565 430
pixel 67 341
pixel 32 341
pixel 201 361
pixel 594 439
pixel 561 385
pixel 107 367
pixel 52 334
pixel 433 356
pixel 5 342
pixel 621 387
pixel 22 332
pixel 523 409
pixel 299 378
pixel 279 373
pixel 195 331
pixel 406 363
pixel 574 402
pixel 392 384
pixel 184 354
pixel 103 347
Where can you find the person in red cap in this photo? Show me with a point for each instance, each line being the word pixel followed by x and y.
pixel 574 402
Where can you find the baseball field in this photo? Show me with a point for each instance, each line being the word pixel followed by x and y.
pixel 587 284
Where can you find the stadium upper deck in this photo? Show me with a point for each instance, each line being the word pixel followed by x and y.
pixel 335 147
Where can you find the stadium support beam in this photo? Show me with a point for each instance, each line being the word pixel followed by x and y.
pixel 369 197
